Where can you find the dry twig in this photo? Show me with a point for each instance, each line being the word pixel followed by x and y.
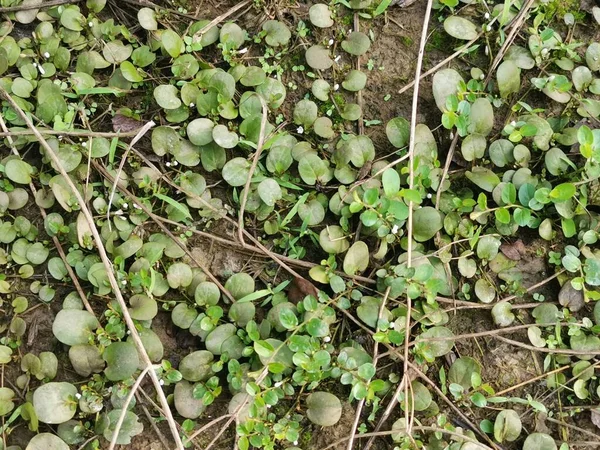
pixel 107 264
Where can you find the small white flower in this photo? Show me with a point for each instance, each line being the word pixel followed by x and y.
pixel 90 24
pixel 326 339
pixel 125 205
pixel 544 51
pixel 78 396
pixel 300 130
pixel 168 164
pixel 331 41
pixel 60 137
pixel 242 51
pixel 124 282
pixel 513 124
pixel 128 331
pixel 123 217
pixel 46 55
pixel 192 105
pixel 84 144
pixel 161 382
pixel 295 442
pixel 429 195
pixel 336 87
pixel 451 135
pixel 136 206
pixel 488 27
pixel 487 50
pixel 337 58
pixel 279 383
pixel 395 229
pixel 268 406
pixel 175 163
pixel 481 77
pixel 486 16
pixel 118 212
pixel 35 65
pixel 41 69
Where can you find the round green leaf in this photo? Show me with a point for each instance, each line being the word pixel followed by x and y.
pixel 122 361
pixel 318 58
pixel 236 171
pixel 357 258
pixel 147 19
pixel 320 15
pixel 73 327
pixel 46 441
pixel 167 96
pixel 269 191
pixel 356 43
pixel 55 402
pixel 18 171
pixel 460 28
pixel 324 409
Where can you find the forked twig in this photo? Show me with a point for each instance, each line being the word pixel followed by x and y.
pixel 361 404
pixel 55 240
pixel 259 148
pixel 157 220
pixel 411 182
pixel 135 139
pixel 125 407
pixel 106 262
pixel 41 5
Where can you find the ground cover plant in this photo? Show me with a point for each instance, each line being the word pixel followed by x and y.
pixel 299 225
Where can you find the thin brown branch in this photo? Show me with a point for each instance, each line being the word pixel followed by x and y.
pixel 361 404
pixel 55 240
pixel 42 5
pixel 157 220
pixel 259 148
pixel 106 262
pixel 125 407
pixel 375 434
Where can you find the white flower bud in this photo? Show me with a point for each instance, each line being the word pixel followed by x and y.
pixel 125 205
pixel 161 382
pixel 300 130
pixel 486 16
pixel 192 105
pixel 326 339
pixel 488 27
pixel 242 51
pixel 336 87
pixel 78 396
pixel 337 58
pixel 168 164
pixel 90 24
pixel 429 195
pixel 331 41
pixel 41 69
pixel 46 55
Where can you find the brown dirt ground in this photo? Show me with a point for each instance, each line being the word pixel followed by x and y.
pixel 394 50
